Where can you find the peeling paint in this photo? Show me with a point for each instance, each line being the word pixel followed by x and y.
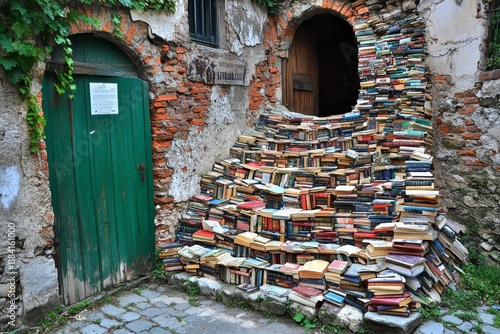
pixel 246 21
pixel 189 158
pixel 9 185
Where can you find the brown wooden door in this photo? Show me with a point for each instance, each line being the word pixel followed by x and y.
pixel 300 74
pixel 320 75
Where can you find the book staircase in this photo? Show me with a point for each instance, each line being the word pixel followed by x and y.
pixel 340 209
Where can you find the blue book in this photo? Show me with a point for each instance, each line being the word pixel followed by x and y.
pixel 334 298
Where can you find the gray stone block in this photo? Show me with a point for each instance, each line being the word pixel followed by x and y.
pixel 209 287
pixel 139 326
pixel 130 298
pixel 309 312
pixel 275 305
pixel 490 330
pixel 351 317
pixel 328 314
pixel 392 324
pixel 150 294
pixel 108 323
pixel 152 312
pixel 486 318
pixel 453 319
pixel 112 310
pixel 167 322
pixel 128 316
pixel 430 327
pixel 93 329
pixel 158 330
pixel 466 327
pixel 40 286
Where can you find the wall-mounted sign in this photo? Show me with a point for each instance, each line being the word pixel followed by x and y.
pixel 218 71
pixel 103 98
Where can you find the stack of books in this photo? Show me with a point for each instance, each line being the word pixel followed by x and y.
pixel 307 296
pixel 356 187
pixel 169 254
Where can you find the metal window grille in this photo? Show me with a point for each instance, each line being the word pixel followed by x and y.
pixel 203 21
pixel 493 61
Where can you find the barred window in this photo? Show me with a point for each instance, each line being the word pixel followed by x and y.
pixel 203 21
pixel 494 36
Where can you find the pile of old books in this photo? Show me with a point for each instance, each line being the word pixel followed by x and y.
pixel 346 204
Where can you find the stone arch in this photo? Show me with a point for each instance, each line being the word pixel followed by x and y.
pixel 134 41
pixel 289 24
pixel 319 56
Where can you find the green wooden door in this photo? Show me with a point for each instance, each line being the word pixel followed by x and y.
pixel 99 154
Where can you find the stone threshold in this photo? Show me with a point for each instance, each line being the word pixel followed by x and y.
pixel 266 301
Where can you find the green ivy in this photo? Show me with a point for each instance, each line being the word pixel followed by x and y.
pixel 29 30
pixel 272 5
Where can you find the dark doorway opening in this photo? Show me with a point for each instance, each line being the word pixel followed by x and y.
pixel 320 76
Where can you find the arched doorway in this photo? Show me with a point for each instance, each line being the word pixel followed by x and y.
pixel 100 170
pixel 320 75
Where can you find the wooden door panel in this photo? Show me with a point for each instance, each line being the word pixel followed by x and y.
pixel 300 74
pixel 103 208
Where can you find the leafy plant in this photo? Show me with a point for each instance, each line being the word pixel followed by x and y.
pixel 191 288
pixel 158 273
pixel 431 312
pixel 302 320
pixel 272 5
pixel 28 33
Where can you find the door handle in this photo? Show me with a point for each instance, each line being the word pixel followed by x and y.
pixel 141 168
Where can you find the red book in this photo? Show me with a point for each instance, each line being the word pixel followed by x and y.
pixel 338 266
pixel 398 301
pixel 251 205
pixel 306 291
pixel 204 234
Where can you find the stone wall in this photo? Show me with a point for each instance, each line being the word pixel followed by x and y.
pixel 28 279
pixel 194 123
pixel 467 116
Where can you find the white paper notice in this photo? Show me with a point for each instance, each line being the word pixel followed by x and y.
pixel 103 98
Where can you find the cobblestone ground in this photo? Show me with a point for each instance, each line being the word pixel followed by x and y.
pixel 156 309
pixel 160 309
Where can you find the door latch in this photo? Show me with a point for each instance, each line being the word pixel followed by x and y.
pixel 141 168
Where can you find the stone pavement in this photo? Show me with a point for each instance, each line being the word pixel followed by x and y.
pixel 164 308
pixel 160 309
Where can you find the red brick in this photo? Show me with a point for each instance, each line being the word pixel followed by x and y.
pixel 197 122
pixel 489 75
pixel 470 100
pixel 165 48
pixel 472 128
pixel 469 152
pixel 475 162
pixel 471 136
pixel 160 117
pixel 199 109
pixel 457 129
pixel 469 110
pixel 441 79
pixel 166 97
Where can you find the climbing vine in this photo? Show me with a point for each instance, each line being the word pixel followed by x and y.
pixel 272 5
pixel 30 29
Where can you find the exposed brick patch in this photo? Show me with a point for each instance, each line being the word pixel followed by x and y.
pixel 469 152
pixel 469 110
pixel 490 75
pixel 472 136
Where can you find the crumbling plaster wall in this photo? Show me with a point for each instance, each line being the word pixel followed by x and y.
pixel 220 109
pixel 467 115
pixel 26 217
